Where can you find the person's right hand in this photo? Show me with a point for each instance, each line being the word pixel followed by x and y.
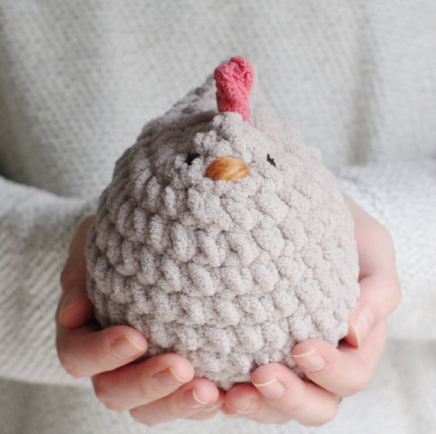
pixel 160 389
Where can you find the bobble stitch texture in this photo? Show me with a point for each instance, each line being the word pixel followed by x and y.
pixel 230 274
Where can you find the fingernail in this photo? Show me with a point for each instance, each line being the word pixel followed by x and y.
pixel 72 299
pixel 272 389
pixel 311 361
pixel 246 409
pixel 362 324
pixel 191 400
pixel 168 379
pixel 126 348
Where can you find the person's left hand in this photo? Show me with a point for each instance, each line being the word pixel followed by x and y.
pixel 160 389
pixel 279 395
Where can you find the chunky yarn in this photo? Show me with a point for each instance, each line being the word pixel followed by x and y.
pixel 222 240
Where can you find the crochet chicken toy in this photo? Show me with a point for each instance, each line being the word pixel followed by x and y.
pixel 222 237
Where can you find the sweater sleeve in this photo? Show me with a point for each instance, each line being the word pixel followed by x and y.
pixel 35 230
pixel 402 197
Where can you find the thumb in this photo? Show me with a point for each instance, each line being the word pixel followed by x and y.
pixel 75 309
pixel 74 273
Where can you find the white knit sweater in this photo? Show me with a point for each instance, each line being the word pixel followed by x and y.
pixel 79 79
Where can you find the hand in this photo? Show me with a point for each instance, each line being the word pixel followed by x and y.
pixel 279 395
pixel 160 389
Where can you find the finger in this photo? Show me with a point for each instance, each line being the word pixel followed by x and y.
pixel 186 401
pixel 141 383
pixel 75 308
pixel 379 296
pixel 74 272
pixel 378 279
pixel 279 395
pixel 374 244
pixel 87 351
pixel 345 370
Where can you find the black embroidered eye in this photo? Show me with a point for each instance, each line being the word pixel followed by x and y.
pixel 191 157
pixel 270 160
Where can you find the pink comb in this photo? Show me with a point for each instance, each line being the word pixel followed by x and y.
pixel 234 81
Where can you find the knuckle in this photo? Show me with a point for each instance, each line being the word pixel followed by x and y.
pixel 295 405
pixel 359 387
pixel 141 416
pixel 380 236
pixel 381 232
pixel 392 286
pixel 385 234
pixel 113 406
pixel 330 414
pixel 174 409
pixel 396 294
pixel 391 289
pixel 144 391
pixel 364 383
pixel 65 358
pixel 104 396
pixel 70 366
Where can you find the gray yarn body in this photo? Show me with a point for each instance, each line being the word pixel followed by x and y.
pixel 229 274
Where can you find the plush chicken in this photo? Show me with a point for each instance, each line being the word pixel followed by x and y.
pixel 222 237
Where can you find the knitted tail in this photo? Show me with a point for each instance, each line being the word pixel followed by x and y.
pixel 234 81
